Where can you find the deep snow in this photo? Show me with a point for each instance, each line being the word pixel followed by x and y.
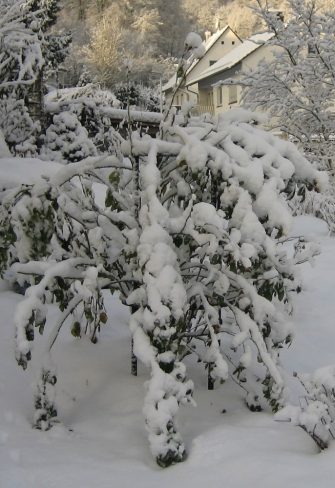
pixel 102 403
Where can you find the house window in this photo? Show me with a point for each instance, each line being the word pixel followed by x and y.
pixel 232 94
pixel 219 96
pixel 222 42
pixel 233 42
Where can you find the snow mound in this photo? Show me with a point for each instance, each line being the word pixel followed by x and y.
pixel 309 227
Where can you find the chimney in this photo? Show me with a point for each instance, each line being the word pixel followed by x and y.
pixel 208 34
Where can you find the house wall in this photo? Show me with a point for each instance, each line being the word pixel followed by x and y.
pixel 247 64
pixel 209 95
pixel 217 51
pixel 263 53
pixel 225 43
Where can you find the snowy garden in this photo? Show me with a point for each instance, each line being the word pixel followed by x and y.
pixel 166 281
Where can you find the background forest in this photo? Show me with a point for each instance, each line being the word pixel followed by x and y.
pixel 108 32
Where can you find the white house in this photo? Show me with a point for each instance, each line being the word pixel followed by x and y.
pixel 243 57
pixel 217 46
pixel 204 80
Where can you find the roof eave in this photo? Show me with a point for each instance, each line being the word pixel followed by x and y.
pixel 225 68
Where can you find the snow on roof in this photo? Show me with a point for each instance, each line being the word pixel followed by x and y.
pixel 235 56
pixel 212 39
pixel 170 84
pixel 208 44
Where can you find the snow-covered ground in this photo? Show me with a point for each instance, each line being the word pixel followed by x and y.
pixel 103 441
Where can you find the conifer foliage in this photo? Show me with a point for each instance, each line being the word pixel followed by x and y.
pixel 28 52
pixel 66 140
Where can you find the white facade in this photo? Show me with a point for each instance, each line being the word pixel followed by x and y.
pixel 243 57
pixel 231 95
pixel 217 46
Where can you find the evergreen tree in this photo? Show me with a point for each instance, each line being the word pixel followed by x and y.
pixel 28 50
pixel 18 128
pixel 66 140
pixel 136 95
pixel 93 108
pixel 21 55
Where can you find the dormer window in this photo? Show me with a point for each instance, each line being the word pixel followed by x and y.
pixel 311 48
pixel 278 13
pixel 212 61
pixel 280 16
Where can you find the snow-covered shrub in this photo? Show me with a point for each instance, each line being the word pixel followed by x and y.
pixel 21 61
pixel 93 108
pixel 28 52
pixel 4 149
pixel 19 130
pixel 316 414
pixel 85 78
pixel 314 203
pixel 45 412
pixel 295 86
pixel 191 237
pixel 150 99
pixel 137 95
pixel 21 53
pixel 66 140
